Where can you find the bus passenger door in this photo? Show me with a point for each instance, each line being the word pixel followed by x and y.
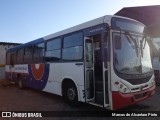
pixel 106 68
pixel 89 69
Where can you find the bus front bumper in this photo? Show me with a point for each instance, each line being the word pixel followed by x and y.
pixel 120 100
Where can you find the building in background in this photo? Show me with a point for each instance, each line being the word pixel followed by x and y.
pixel 150 16
pixel 3 47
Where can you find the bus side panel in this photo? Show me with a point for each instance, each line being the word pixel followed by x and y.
pixel 38 76
pixel 18 71
pixel 59 72
pixel 10 73
pixel 33 75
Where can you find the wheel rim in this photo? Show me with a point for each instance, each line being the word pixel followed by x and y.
pixel 71 94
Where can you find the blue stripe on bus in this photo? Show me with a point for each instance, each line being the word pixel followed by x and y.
pixel 38 84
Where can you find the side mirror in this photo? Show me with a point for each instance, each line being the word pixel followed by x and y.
pixel 117 42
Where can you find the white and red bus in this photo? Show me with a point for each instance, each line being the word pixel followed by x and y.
pixel 105 62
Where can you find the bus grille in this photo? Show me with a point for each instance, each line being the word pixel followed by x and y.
pixel 139 96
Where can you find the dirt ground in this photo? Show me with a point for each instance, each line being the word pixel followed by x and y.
pixel 14 99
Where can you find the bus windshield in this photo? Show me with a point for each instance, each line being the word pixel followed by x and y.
pixel 133 55
pixel 129 25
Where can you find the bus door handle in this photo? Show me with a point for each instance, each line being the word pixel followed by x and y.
pixel 78 64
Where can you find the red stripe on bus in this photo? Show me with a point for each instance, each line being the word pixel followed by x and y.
pixel 38 72
pixel 120 100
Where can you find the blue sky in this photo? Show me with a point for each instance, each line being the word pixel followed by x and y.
pixel 24 20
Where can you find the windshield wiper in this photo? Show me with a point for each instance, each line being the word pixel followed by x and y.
pixel 132 41
pixel 142 47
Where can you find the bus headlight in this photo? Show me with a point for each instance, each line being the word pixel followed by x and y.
pixel 153 83
pixel 123 88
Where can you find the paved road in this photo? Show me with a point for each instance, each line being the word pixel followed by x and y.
pixel 14 99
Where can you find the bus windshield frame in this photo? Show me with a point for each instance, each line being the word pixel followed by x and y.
pixel 137 57
pixel 128 25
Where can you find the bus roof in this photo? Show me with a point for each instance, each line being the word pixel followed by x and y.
pixel 88 24
pixel 94 22
pixel 26 44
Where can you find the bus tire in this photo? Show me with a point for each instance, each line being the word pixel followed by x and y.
pixel 71 94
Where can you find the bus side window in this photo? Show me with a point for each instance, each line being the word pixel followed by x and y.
pixel 53 50
pixel 28 54
pixel 11 59
pixel 20 55
pixel 8 58
pixel 72 47
pixel 38 53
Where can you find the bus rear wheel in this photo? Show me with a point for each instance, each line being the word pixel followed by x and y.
pixel 71 94
pixel 20 84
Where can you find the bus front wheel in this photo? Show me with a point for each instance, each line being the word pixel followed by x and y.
pixel 71 94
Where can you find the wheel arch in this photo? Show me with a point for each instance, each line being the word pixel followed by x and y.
pixel 20 81
pixel 64 84
pixel 18 77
